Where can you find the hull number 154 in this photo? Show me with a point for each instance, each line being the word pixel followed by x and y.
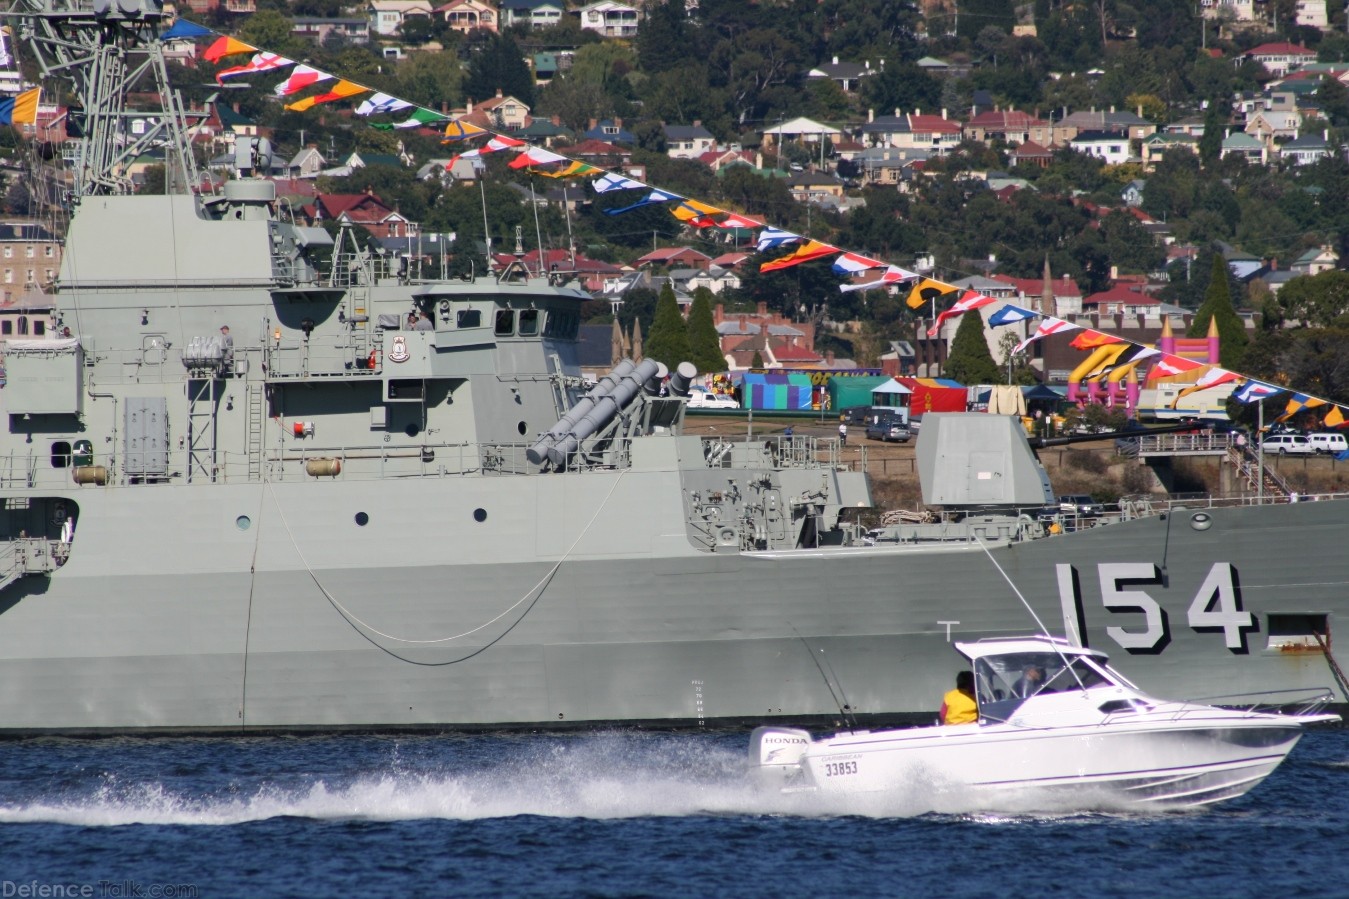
pixel 1216 606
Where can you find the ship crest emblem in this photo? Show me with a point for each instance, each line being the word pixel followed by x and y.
pixel 399 351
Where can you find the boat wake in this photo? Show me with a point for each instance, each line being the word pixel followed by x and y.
pixel 596 777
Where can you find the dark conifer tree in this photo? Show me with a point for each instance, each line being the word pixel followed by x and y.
pixel 669 340
pixel 970 361
pixel 1217 306
pixel 704 342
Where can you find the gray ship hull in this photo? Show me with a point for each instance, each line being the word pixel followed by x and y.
pixel 296 622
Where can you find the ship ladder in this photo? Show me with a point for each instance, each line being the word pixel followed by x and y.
pixel 201 409
pixel 257 417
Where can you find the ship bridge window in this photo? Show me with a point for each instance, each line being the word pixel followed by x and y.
pixel 61 454
pixel 561 325
pixel 529 322
pixel 469 318
pixel 505 322
pixel 6 327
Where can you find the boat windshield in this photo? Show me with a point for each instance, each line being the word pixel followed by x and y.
pixel 1021 675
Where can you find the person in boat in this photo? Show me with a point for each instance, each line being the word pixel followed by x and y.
pixel 959 706
pixel 1030 682
pixel 424 323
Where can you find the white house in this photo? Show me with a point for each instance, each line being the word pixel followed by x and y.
pixel 610 18
pixel 387 16
pixel 1110 146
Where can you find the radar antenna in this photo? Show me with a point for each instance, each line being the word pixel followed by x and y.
pixel 102 52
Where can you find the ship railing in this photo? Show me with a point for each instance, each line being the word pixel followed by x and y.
pixel 775 451
pixel 1294 701
pixel 298 359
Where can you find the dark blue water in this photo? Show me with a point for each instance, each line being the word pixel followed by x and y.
pixel 621 814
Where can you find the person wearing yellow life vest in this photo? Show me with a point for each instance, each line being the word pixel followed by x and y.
pixel 958 706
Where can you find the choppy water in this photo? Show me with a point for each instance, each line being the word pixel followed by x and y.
pixel 616 814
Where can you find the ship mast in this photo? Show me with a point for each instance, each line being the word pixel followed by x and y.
pixel 106 51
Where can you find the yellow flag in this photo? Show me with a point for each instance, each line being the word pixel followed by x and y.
pixel 22 109
pixel 342 90
pixel 925 291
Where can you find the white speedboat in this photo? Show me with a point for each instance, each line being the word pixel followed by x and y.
pixel 1053 718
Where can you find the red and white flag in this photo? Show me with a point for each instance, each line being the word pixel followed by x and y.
pixel 261 62
pixel 1050 325
pixel 1171 364
pixel 301 77
pixel 969 300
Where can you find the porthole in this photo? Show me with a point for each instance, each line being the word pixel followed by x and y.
pixel 522 428
pixel 243 522
pixel 480 515
pixel 362 519
pixel 412 430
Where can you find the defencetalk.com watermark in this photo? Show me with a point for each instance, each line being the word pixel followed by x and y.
pixel 99 889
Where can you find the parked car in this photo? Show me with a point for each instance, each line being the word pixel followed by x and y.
pixel 704 399
pixel 1080 504
pixel 1287 443
pixel 888 429
pixel 855 415
pixel 1328 442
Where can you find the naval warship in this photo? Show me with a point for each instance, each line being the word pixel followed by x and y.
pixel 326 519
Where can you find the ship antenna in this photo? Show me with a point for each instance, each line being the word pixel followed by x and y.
pixel 844 707
pixel 538 234
pixel 1036 618
pixel 486 234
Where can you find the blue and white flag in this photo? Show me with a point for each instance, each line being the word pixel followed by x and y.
pixel 381 103
pixel 606 183
pixel 771 237
pixel 656 196
pixel 1253 391
pixel 1010 315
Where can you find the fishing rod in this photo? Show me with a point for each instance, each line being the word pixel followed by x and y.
pixel 844 707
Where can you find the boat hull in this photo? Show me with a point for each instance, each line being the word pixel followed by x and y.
pixel 1140 764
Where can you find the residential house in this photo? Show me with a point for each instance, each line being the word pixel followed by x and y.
pixel 1312 14
pixel 544 132
pixel 1281 58
pixel 1031 153
pixel 535 14
pixel 1158 145
pixel 610 130
pixel 1011 126
pixel 1228 10
pixel 1272 127
pixel 1121 300
pixel 1241 144
pixel 593 274
pixel 913 131
pixel 362 158
pixel 1316 260
pixel 800 130
pixel 610 19
pixel 307 163
pixel 1191 125
pixel 891 165
pixel 847 75
pixel 1132 195
pixel 1110 146
pixel 780 342
pixel 502 113
pixel 676 257
pixel 30 258
pixel 365 209
pixel 387 16
pixel 1243 265
pixel 600 153
pixel 1133 125
pixel 688 141
pixel 715 279
pixel 717 160
pixel 1306 149
pixel 466 15
pixel 318 30
pixel 814 187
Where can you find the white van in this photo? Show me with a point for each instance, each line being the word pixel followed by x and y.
pixel 1328 442
pixel 704 399
pixel 1286 443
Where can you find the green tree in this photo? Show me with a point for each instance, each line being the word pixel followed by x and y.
pixel 1217 306
pixel 669 339
pixel 970 362
pixel 663 41
pixel 756 361
pixel 499 66
pixel 703 340
pixel 1321 301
